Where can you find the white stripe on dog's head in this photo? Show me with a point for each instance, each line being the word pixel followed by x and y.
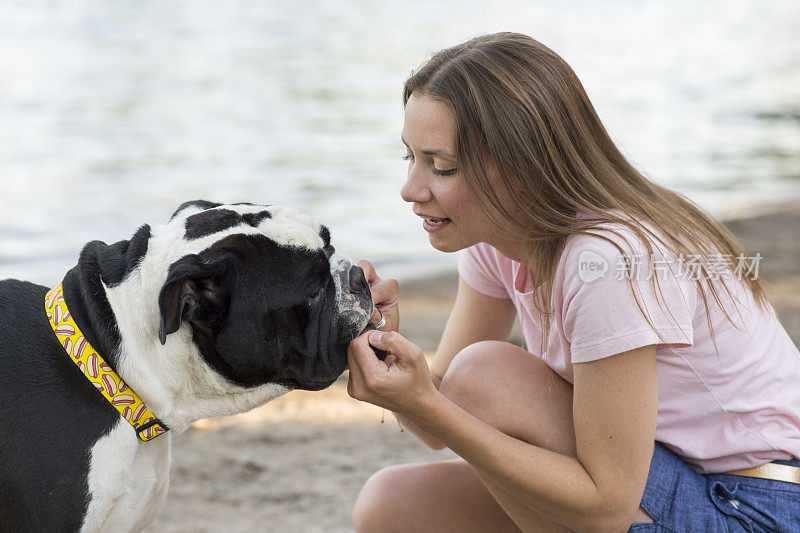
pixel 283 225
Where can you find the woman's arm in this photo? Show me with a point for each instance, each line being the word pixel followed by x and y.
pixel 475 317
pixel 614 410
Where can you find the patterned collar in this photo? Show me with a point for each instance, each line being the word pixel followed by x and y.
pixel 98 372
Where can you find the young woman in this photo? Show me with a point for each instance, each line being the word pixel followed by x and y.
pixel 656 374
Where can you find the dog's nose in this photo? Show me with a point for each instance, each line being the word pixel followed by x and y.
pixel 358 283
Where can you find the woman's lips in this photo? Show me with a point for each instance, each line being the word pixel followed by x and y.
pixel 435 224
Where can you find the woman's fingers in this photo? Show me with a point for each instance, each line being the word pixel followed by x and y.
pixel 404 351
pixel 363 356
pixel 401 386
pixel 364 367
pixel 369 270
pixel 385 291
pixel 385 295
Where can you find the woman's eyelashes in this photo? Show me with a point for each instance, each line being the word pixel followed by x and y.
pixel 437 171
pixel 448 172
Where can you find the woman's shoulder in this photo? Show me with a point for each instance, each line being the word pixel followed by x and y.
pixel 487 270
pixel 615 237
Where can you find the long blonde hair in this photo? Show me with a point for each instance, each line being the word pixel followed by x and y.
pixel 518 103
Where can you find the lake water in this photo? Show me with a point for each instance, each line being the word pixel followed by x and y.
pixel 114 113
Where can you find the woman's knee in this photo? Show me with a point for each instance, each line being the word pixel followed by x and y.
pixel 478 373
pixel 472 365
pixel 496 381
pixel 380 505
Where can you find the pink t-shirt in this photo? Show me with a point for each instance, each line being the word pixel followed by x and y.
pixel 719 413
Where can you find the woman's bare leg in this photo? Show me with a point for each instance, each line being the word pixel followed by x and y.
pixel 431 497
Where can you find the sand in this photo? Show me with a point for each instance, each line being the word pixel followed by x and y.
pixel 298 463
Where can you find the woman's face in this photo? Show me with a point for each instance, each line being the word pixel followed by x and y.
pixel 436 186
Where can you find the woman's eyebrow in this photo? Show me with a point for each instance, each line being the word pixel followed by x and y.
pixel 440 153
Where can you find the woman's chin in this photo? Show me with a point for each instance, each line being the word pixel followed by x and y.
pixel 445 245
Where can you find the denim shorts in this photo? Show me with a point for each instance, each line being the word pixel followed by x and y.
pixel 682 500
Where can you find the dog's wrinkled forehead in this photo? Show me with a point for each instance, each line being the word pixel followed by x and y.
pixel 282 225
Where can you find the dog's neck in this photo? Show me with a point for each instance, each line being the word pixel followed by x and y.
pixel 113 295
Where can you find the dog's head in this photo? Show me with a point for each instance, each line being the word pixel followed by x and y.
pixel 265 295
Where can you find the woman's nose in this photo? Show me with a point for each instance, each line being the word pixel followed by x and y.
pixel 415 189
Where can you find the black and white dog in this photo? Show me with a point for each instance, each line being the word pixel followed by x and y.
pixel 220 310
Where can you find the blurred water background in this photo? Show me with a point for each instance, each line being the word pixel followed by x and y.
pixel 114 113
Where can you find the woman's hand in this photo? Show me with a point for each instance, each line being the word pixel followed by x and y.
pixel 385 296
pixel 402 383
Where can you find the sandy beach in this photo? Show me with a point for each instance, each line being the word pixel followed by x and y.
pixel 298 463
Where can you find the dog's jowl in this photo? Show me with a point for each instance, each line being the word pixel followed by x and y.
pixel 220 310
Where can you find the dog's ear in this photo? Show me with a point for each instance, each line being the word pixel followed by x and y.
pixel 192 292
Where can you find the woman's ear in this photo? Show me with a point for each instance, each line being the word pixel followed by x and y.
pixel 191 293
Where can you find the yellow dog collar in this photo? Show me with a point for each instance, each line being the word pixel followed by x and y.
pixel 97 371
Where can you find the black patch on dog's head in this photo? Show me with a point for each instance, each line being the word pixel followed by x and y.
pixel 260 312
pixel 210 222
pixel 213 221
pixel 254 219
pixel 202 204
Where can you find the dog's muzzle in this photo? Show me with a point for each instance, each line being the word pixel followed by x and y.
pixel 353 298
